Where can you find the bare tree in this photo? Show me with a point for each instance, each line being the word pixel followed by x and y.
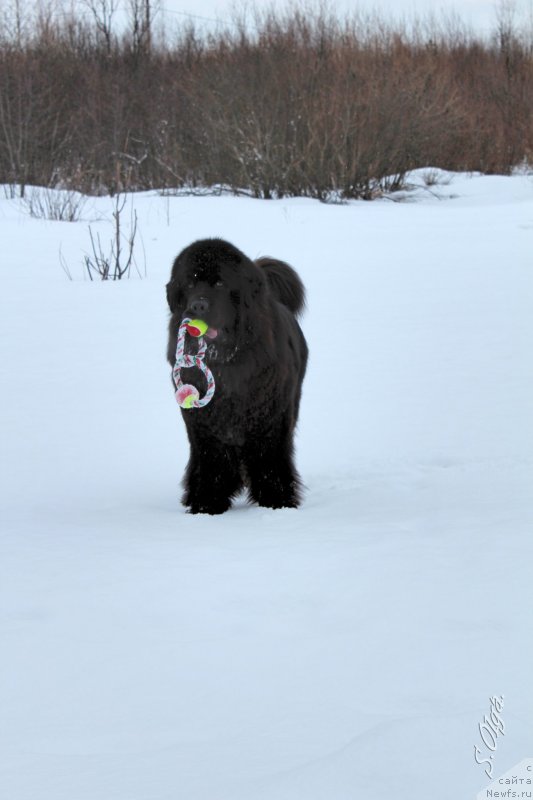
pixel 142 13
pixel 506 24
pixel 14 22
pixel 103 12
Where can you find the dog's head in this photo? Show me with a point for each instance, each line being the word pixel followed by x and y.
pixel 214 281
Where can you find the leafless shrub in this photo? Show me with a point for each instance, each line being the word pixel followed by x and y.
pixel 54 204
pixel 435 177
pixel 114 262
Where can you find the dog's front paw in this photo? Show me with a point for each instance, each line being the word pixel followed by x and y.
pixel 278 502
pixel 275 496
pixel 213 510
pixel 211 507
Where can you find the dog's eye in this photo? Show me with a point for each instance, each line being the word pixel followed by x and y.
pixel 219 284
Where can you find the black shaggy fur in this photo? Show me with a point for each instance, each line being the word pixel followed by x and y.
pixel 244 436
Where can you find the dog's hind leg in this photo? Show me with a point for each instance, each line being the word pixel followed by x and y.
pixel 273 481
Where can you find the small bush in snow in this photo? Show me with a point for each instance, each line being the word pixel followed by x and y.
pixel 54 204
pixel 116 261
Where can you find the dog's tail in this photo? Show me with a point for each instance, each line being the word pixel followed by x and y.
pixel 284 283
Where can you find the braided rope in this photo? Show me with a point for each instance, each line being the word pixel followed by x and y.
pixel 187 395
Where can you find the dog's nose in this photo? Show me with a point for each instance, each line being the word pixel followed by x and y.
pixel 200 306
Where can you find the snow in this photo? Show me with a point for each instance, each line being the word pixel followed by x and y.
pixel 346 649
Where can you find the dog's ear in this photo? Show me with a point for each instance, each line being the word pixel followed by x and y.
pixel 172 296
pixel 173 286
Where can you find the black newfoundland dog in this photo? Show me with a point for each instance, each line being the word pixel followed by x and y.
pixel 257 353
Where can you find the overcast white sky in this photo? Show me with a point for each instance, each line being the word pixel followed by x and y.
pixel 480 13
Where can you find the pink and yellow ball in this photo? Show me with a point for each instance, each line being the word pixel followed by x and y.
pixel 187 396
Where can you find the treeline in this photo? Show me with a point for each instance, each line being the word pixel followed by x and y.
pixel 296 104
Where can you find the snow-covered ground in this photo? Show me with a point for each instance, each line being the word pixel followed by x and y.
pixel 345 650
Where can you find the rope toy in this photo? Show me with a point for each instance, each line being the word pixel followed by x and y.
pixel 187 395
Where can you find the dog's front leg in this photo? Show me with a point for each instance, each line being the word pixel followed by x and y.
pixel 212 477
